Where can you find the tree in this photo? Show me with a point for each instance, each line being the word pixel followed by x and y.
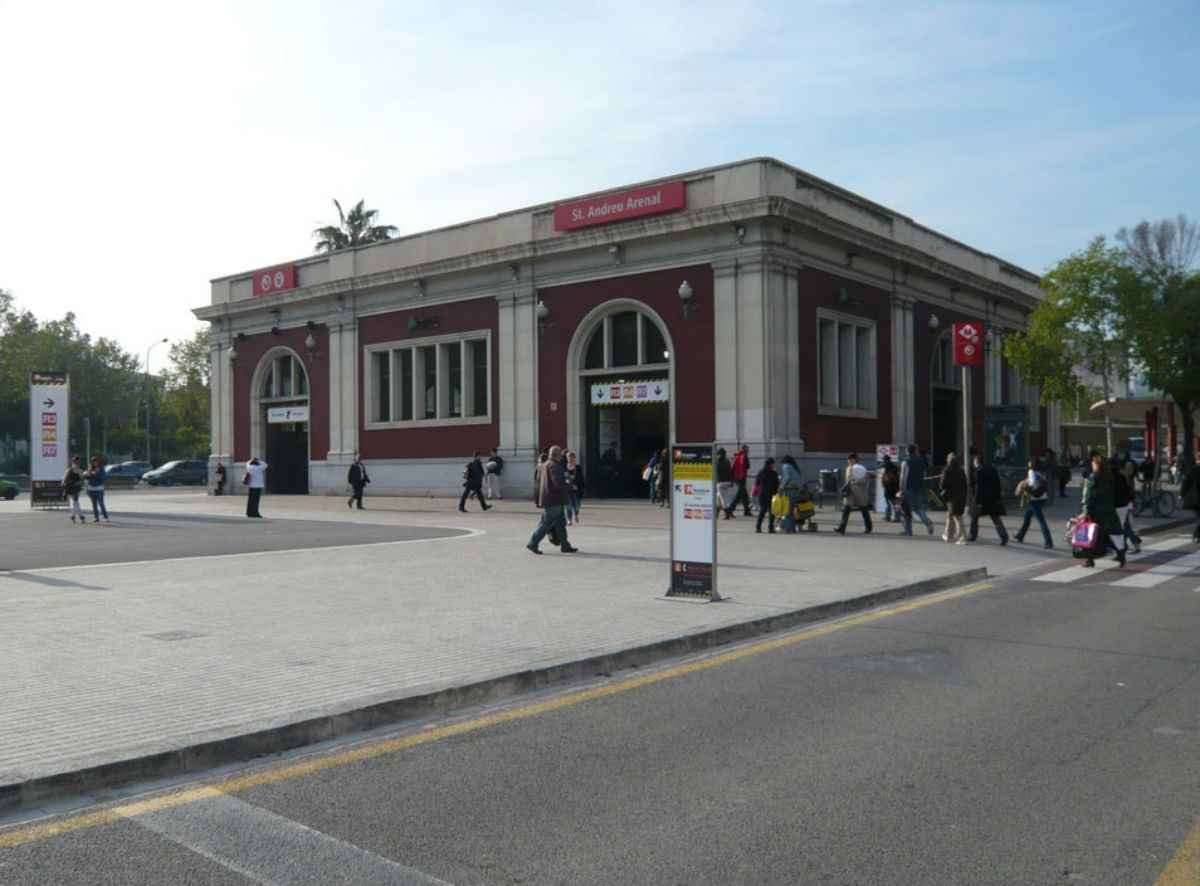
pixel 354 228
pixel 1077 326
pixel 1161 318
pixel 187 401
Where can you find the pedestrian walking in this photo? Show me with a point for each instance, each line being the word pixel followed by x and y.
pixel 854 494
pixel 662 478
pixel 912 490
pixel 472 475
pixel 219 474
pixel 789 488
pixel 492 469
pixel 1035 487
pixel 954 493
pixel 987 500
pixel 578 485
pixel 650 475
pixel 553 493
pixel 724 484
pixel 766 484
pixel 95 489
pixel 1123 501
pixel 1099 493
pixel 358 480
pixel 1189 494
pixel 740 470
pixel 255 479
pixel 72 484
pixel 889 479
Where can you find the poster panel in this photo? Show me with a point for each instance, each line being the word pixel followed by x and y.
pixel 693 523
pixel 1006 435
pixel 49 437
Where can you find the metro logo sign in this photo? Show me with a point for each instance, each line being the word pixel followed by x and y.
pixel 274 280
pixel 968 344
pixel 619 207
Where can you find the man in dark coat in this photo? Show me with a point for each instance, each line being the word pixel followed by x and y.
pixel 988 500
pixel 473 483
pixel 553 494
pixel 358 480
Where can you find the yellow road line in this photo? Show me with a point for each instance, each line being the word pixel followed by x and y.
pixel 1184 867
pixel 295 770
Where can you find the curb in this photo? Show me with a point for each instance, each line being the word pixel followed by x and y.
pixel 17 796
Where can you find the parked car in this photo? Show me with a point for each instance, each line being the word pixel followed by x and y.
pixel 8 490
pixel 183 472
pixel 131 469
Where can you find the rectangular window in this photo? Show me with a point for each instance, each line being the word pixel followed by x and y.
pixel 406 384
pixel 441 380
pixel 383 386
pixel 846 365
pixel 481 393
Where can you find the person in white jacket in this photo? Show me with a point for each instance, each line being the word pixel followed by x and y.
pixel 256 480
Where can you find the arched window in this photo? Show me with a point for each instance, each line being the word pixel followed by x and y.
pixel 284 380
pixel 626 340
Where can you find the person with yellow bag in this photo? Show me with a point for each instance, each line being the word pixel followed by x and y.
pixel 789 486
pixel 766 486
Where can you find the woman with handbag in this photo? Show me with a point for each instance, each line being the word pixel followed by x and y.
pixel 1098 496
pixel 954 494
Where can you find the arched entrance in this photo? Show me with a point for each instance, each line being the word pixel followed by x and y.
pixel 621 407
pixel 945 402
pixel 279 421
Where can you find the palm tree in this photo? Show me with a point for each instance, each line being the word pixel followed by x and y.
pixel 354 228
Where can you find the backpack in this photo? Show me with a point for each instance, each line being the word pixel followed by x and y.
pixel 1038 489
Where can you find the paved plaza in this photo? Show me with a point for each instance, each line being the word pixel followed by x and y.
pixel 181 624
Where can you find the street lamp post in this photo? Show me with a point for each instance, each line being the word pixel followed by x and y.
pixel 148 350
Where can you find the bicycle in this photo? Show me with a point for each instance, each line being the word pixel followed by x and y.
pixel 1161 501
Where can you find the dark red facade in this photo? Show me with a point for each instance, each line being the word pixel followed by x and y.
pixel 693 384
pixel 430 442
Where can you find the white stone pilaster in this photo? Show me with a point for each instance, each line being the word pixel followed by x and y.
pixel 343 392
pixel 904 388
pixel 517 367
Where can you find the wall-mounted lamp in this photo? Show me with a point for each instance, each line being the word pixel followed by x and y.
pixel 241 336
pixel 310 342
pixel 514 272
pixel 275 330
pixel 934 322
pixel 740 232
pixel 685 296
pixel 311 324
pixel 542 313
pixel 850 257
pixel 419 285
pixel 617 251
pixel 232 354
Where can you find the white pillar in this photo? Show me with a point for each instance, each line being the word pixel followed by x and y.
pixel 904 388
pixel 343 392
pixel 517 367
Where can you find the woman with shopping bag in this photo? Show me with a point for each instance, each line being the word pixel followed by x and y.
pixel 1098 496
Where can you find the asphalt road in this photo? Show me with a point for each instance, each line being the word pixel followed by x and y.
pixel 1028 732
pixel 44 539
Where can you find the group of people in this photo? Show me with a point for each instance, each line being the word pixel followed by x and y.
pixel 76 480
pixel 559 485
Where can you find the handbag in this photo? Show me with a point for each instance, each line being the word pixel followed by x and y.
pixel 779 505
pixel 647 472
pixel 246 479
pixel 1085 534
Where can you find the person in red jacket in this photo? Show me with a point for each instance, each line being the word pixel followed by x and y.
pixel 741 468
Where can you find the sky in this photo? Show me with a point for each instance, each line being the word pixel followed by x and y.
pixel 148 147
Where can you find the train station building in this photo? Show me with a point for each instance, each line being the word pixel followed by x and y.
pixel 746 303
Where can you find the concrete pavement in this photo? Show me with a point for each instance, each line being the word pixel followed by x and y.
pixel 332 621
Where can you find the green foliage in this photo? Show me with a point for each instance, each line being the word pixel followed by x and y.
pixel 355 228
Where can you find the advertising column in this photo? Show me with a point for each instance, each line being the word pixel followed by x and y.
pixel 49 393
pixel 693 528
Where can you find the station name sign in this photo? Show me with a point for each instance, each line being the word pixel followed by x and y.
pixel 274 280
pixel 619 207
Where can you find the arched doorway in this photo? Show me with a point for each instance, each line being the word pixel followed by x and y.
pixel 621 405
pixel 279 421
pixel 945 402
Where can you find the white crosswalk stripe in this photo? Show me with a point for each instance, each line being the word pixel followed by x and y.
pixel 1156 575
pixel 1074 573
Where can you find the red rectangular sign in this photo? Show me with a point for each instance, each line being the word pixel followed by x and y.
pixel 619 207
pixel 274 280
pixel 968 344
